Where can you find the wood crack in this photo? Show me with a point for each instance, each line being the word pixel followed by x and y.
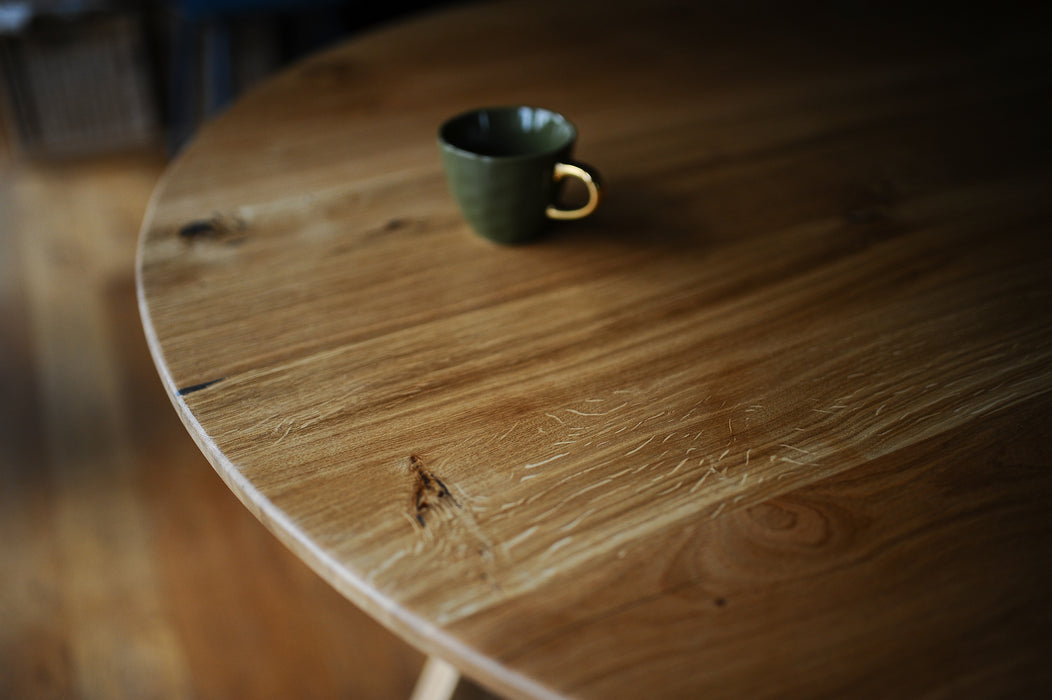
pixel 198 387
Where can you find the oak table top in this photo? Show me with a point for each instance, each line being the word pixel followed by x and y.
pixel 773 422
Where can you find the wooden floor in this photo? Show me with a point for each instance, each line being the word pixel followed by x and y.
pixel 127 568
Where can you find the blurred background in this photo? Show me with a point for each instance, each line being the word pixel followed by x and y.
pixel 127 568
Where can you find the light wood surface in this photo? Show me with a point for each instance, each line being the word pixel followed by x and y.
pixel 126 568
pixel 774 422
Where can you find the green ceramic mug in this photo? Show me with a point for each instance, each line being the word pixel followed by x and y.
pixel 503 164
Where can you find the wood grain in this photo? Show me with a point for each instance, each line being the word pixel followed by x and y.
pixel 126 570
pixel 772 421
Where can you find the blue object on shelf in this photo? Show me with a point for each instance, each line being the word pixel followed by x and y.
pixel 203 9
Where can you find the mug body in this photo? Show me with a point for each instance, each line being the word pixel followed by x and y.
pixel 499 162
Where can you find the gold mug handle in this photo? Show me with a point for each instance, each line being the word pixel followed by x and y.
pixel 590 180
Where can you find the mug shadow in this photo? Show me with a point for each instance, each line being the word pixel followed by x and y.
pixel 638 213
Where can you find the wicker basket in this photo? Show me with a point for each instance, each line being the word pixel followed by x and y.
pixel 79 86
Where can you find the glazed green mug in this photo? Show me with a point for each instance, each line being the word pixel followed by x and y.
pixel 503 165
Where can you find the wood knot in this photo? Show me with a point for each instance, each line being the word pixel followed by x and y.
pixel 219 227
pixel 429 492
pixel 773 516
pixel 792 524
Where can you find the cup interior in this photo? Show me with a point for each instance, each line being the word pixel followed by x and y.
pixel 504 132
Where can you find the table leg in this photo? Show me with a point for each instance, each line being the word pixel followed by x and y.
pixel 437 681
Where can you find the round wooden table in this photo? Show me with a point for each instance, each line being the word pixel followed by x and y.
pixel 773 422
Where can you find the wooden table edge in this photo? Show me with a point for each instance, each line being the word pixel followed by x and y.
pixel 418 632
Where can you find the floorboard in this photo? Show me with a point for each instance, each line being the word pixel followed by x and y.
pixel 127 568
